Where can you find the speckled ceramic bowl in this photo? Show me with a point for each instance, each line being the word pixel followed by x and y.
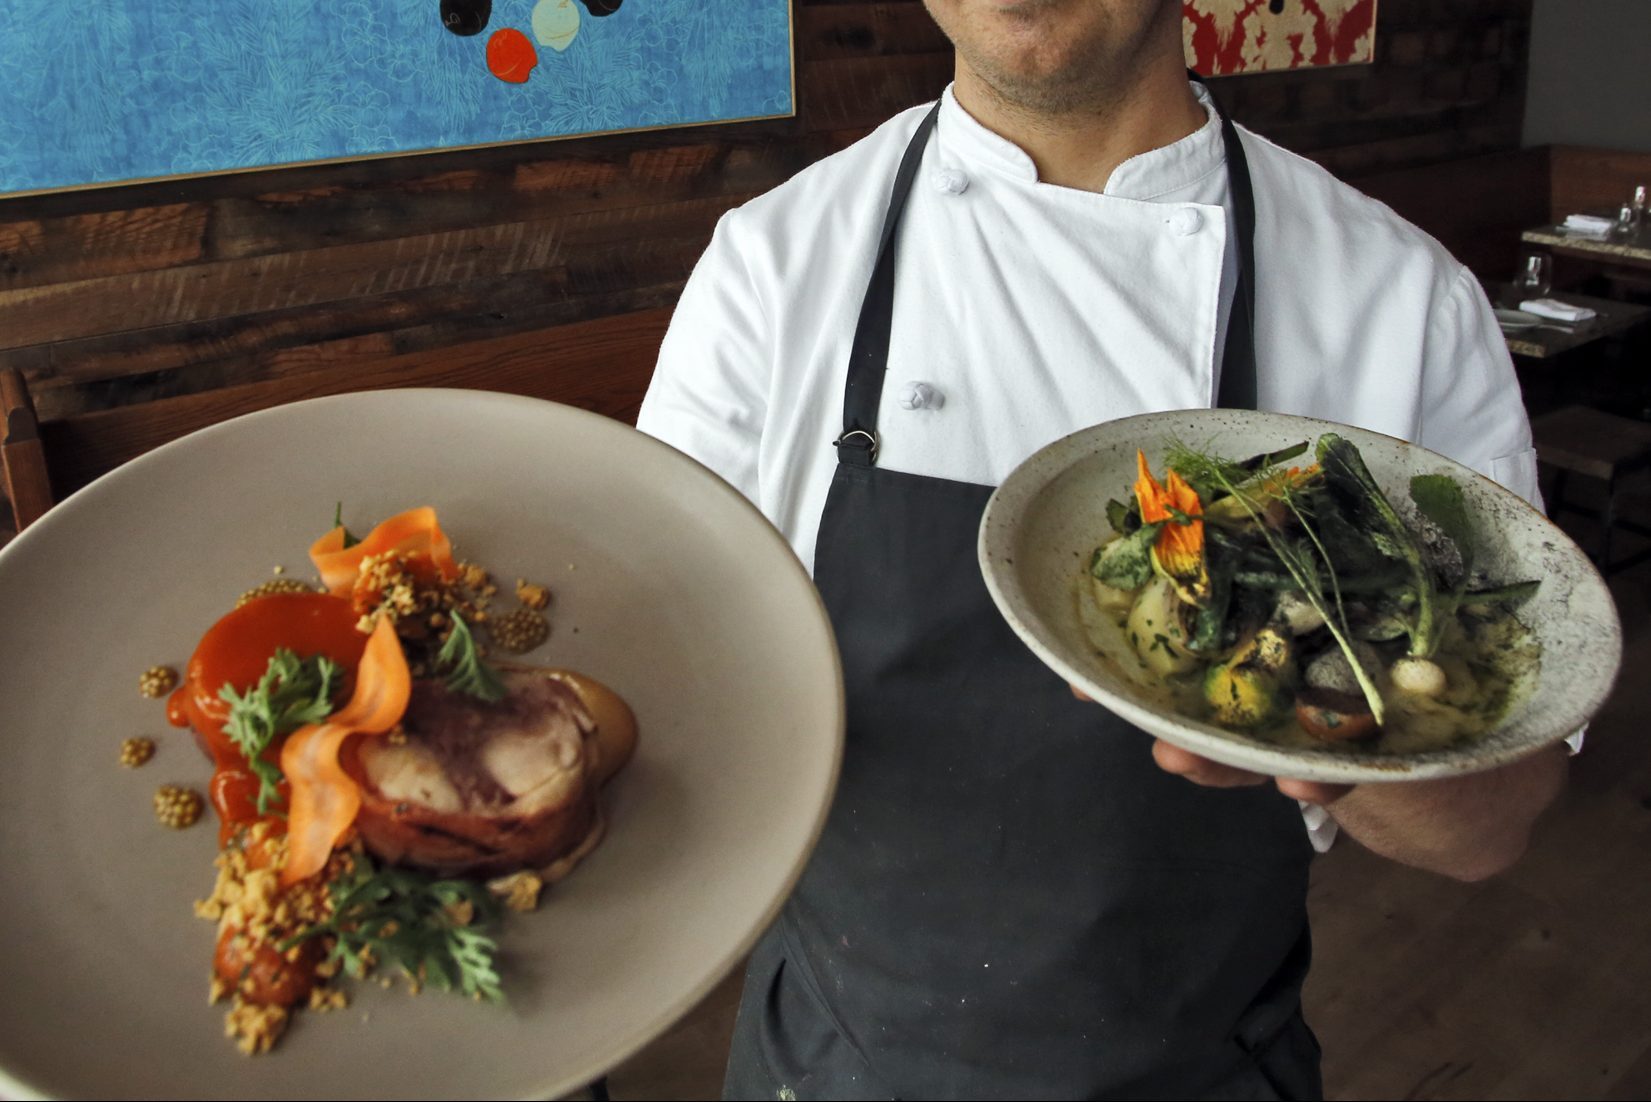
pixel 1042 524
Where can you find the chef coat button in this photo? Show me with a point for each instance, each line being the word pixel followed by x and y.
pixel 921 396
pixel 951 181
pixel 1186 221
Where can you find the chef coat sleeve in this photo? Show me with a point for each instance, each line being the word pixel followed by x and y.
pixel 1472 408
pixel 708 396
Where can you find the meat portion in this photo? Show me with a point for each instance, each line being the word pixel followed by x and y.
pixel 478 789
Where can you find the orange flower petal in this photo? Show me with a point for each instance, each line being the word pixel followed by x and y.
pixel 1179 548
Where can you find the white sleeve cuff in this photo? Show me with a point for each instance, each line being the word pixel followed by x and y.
pixel 1321 828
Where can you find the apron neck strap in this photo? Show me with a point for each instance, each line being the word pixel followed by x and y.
pixel 1237 389
pixel 868 360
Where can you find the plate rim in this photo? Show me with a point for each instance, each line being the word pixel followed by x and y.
pixel 1515 321
pixel 1019 490
pixel 669 1013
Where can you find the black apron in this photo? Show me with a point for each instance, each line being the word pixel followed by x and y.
pixel 1010 899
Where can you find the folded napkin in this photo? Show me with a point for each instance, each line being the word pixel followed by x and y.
pixel 1553 308
pixel 1590 225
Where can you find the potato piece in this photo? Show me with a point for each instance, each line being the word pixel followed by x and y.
pixel 1157 629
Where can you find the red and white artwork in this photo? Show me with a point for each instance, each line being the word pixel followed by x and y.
pixel 1250 36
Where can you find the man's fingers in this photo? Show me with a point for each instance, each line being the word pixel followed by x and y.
pixel 1313 792
pixel 1212 774
pixel 1201 770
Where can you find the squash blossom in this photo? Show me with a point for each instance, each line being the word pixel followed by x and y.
pixel 1178 552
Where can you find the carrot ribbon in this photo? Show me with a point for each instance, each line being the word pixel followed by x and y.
pixel 324 798
pixel 412 534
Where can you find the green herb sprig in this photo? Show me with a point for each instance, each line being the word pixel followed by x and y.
pixel 338 522
pixel 426 927
pixel 467 673
pixel 1302 560
pixel 292 692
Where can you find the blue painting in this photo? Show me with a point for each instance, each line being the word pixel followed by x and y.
pixel 124 90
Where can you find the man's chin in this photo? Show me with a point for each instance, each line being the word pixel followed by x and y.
pixel 1040 88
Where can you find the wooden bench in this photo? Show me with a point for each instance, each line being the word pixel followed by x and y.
pixel 602 365
pixel 1581 440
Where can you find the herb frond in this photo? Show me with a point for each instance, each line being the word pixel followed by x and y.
pixel 1202 468
pixel 1298 560
pixel 1207 472
pixel 428 928
pixel 1301 511
pixel 292 693
pixel 467 672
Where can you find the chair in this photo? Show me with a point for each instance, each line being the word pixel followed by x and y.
pixel 22 458
pixel 1581 440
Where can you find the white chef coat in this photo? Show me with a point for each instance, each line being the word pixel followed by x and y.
pixel 1030 310
pixel 1034 310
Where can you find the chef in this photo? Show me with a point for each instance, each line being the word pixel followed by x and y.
pixel 1017 895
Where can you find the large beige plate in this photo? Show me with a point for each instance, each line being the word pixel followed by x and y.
pixel 669 587
pixel 1048 516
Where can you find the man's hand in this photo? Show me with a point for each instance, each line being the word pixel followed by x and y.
pixel 1469 827
pixel 1212 774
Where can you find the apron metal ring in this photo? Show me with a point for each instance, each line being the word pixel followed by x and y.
pixel 861 452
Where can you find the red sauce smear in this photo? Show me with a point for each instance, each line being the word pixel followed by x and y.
pixel 510 56
pixel 236 651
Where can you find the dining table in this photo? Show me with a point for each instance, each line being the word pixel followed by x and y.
pixel 1541 338
pixel 1626 247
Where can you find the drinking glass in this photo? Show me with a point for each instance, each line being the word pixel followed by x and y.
pixel 1536 276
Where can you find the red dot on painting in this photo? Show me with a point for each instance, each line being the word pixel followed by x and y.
pixel 510 56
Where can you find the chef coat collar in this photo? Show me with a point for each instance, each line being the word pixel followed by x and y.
pixel 1145 176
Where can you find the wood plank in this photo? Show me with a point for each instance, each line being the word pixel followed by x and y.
pixel 454 202
pixel 38 251
pixel 1413 150
pixel 843 93
pixel 198 292
pixel 1475 206
pixel 602 365
pixel 106 372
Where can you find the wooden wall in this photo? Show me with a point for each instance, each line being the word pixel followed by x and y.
pixel 118 295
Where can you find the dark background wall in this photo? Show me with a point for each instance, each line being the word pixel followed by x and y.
pixel 1590 74
pixel 133 293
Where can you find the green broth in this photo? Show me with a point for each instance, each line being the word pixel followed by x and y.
pixel 1490 663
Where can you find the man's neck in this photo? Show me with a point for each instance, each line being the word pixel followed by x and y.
pixel 1081 147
